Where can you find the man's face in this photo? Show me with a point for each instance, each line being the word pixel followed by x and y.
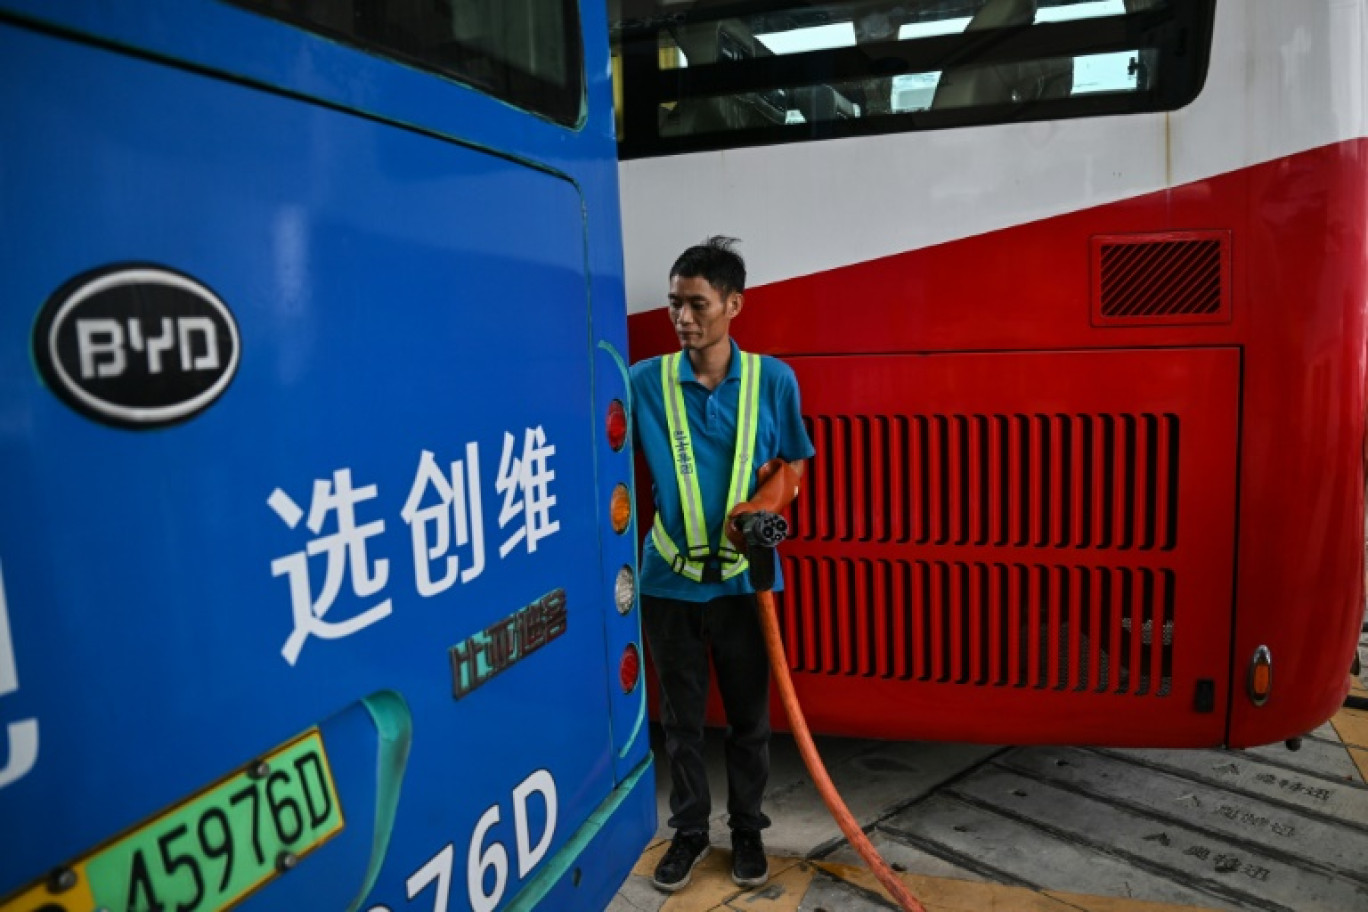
pixel 700 313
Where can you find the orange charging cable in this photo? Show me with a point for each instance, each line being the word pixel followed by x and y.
pixel 769 621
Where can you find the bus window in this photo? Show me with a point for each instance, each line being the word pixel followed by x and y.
pixel 526 52
pixel 751 74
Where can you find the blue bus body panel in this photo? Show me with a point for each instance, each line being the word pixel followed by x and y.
pixel 417 333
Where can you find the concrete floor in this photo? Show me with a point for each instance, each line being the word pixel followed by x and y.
pixel 1047 828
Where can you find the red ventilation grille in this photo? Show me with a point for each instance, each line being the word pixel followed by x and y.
pixel 985 535
pixel 986 624
pixel 1107 481
pixel 1164 279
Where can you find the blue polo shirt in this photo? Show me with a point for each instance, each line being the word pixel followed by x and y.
pixel 712 427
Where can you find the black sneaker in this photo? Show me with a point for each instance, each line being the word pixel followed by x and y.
pixel 676 869
pixel 750 868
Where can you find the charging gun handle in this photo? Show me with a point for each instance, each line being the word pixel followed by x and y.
pixel 761 569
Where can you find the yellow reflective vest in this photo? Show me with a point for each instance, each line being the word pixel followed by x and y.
pixel 700 561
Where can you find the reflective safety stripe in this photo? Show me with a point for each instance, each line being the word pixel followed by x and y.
pixel 681 444
pixel 747 423
pixel 691 565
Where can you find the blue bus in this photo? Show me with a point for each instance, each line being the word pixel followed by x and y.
pixel 317 580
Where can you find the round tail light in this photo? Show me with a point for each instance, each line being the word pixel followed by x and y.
pixel 624 590
pixel 620 508
pixel 617 424
pixel 629 672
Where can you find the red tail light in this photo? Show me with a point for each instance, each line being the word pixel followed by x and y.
pixel 629 672
pixel 617 424
pixel 1260 676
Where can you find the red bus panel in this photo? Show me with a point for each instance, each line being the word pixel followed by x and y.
pixel 1047 538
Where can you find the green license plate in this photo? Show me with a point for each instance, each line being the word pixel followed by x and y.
pixel 212 850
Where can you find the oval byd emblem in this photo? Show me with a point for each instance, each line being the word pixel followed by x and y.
pixel 136 346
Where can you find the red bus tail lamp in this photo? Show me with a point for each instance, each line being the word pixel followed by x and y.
pixel 620 508
pixel 1260 676
pixel 629 672
pixel 617 424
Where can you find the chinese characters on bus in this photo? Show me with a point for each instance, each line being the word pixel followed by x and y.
pixel 444 511
pixel 505 642
pixel 448 521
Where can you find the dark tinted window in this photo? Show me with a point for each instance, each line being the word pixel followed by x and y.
pixel 526 52
pixel 709 74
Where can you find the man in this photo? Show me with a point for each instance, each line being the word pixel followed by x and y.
pixel 723 435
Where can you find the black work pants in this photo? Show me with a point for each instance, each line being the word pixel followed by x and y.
pixel 681 635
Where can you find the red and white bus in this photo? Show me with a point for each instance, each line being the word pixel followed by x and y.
pixel 1075 290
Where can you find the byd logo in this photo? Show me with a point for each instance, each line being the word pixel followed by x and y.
pixel 136 346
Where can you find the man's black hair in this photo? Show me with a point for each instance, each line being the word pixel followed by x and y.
pixel 715 261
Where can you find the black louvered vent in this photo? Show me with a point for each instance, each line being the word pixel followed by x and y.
pixel 1170 280
pixel 1062 628
pixel 1102 481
